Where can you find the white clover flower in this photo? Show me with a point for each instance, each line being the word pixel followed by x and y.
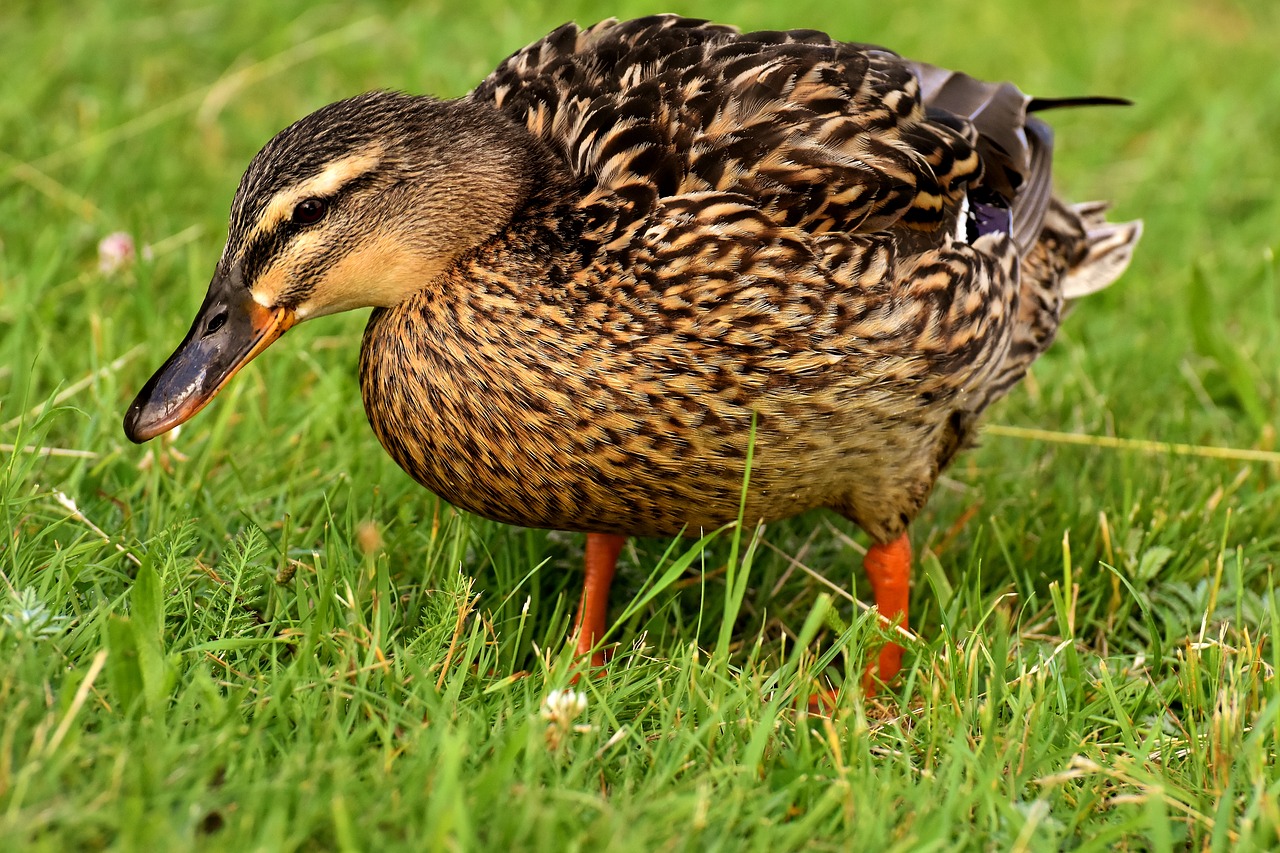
pixel 563 706
pixel 116 252
pixel 560 709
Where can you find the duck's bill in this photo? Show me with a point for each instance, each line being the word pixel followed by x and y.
pixel 228 332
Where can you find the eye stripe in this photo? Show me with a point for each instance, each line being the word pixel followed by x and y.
pixel 334 178
pixel 260 251
pixel 264 246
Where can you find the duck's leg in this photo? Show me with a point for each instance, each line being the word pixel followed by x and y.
pixel 593 608
pixel 888 567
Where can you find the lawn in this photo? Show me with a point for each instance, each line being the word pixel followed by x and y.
pixel 261 635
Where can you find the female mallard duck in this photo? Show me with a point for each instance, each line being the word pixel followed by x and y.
pixel 641 253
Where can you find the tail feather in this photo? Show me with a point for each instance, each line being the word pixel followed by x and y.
pixel 1078 252
pixel 1065 252
pixel 1110 248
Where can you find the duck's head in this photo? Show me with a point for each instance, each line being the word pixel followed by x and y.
pixel 358 205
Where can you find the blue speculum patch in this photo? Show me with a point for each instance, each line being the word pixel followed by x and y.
pixel 988 214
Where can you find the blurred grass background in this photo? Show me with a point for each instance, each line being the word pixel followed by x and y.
pixel 262 635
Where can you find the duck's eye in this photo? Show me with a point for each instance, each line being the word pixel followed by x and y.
pixel 309 211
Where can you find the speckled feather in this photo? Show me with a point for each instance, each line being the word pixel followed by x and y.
pixel 756 243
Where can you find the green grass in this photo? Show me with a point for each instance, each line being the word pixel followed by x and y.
pixel 262 635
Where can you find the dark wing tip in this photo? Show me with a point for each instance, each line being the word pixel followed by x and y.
pixel 1038 104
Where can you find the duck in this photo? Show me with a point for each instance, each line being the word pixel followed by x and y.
pixel 655 277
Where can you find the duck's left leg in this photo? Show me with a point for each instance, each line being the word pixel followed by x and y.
pixel 593 607
pixel 888 567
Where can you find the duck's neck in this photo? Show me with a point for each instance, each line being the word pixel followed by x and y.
pixel 523 208
pixel 494 167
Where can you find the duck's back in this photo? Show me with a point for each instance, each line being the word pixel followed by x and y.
pixel 820 136
pixel 817 134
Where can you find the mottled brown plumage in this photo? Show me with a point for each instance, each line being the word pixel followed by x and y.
pixel 631 243
pixel 760 225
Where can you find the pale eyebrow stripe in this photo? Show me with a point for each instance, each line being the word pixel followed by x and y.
pixel 335 176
